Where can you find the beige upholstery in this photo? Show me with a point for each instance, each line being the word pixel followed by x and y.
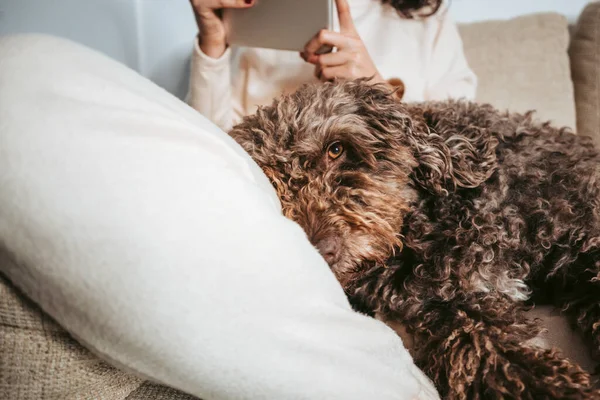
pixel 150 391
pixel 522 64
pixel 585 65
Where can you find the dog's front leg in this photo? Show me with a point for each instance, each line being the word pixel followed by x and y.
pixel 475 349
pixel 575 288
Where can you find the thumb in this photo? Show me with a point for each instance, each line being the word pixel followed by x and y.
pixel 343 10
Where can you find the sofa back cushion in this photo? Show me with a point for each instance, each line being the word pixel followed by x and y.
pixel 585 66
pixel 522 64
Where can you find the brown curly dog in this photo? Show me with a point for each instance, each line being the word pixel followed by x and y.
pixel 449 217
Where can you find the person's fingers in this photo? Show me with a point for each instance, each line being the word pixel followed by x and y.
pixel 234 3
pixel 206 14
pixel 326 38
pixel 331 59
pixel 317 72
pixel 215 4
pixel 345 17
pixel 337 72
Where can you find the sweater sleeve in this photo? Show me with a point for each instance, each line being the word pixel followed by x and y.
pixel 210 90
pixel 449 74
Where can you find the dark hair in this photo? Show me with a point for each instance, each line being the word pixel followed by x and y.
pixel 415 8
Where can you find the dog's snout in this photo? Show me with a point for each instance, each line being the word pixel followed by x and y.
pixel 330 249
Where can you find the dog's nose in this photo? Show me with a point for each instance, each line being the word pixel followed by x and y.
pixel 330 249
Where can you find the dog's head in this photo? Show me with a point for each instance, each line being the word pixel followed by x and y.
pixel 346 159
pixel 338 158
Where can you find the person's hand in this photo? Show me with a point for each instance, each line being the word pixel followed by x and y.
pixel 213 37
pixel 350 61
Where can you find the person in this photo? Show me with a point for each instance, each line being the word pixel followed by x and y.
pixel 412 44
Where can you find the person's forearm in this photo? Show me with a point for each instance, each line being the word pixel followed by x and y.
pixel 213 49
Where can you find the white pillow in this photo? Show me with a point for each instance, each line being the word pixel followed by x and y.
pixel 153 238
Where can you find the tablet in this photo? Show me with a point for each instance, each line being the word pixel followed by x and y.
pixel 278 24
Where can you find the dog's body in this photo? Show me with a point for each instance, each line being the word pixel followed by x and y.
pixel 448 217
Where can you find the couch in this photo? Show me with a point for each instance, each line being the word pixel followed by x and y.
pixel 531 62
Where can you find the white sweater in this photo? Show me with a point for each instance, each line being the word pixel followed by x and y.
pixel 426 54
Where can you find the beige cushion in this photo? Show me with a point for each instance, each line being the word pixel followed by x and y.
pixel 522 64
pixel 585 65
pixel 150 391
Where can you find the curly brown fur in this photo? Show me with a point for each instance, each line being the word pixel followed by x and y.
pixel 448 217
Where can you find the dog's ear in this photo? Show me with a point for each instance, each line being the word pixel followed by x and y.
pixel 446 154
pixel 449 154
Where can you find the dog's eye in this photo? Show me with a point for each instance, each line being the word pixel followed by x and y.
pixel 335 150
